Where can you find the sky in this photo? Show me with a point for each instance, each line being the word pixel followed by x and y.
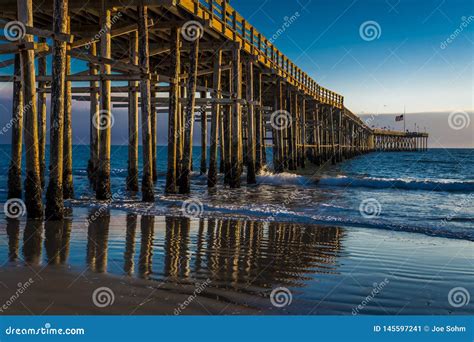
pixel 383 56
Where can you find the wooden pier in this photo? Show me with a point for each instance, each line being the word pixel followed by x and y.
pixel 216 69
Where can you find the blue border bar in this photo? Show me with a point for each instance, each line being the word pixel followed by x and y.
pixel 242 328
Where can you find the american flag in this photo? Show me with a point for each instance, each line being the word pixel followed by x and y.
pixel 399 118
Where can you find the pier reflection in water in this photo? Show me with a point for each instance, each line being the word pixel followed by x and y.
pixel 244 255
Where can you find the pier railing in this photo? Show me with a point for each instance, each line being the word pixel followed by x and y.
pixel 222 18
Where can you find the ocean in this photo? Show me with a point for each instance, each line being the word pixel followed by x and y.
pixel 382 233
pixel 429 192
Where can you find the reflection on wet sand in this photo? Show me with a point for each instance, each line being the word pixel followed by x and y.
pixel 97 240
pixel 13 232
pixel 231 253
pixel 128 266
pixel 32 237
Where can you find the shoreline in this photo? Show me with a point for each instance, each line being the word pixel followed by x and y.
pixel 235 264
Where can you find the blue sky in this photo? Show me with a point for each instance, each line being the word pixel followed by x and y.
pixel 404 66
pixel 408 64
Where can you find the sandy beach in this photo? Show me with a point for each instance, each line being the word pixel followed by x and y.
pixel 177 266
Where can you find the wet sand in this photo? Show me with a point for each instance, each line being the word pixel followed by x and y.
pixel 59 291
pixel 175 265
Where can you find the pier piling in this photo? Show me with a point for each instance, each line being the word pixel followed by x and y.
pixel 255 96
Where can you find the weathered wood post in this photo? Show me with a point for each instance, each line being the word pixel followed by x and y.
pixel 227 133
pixel 276 131
pixel 221 138
pixel 14 171
pixel 259 125
pixel 185 181
pixel 180 134
pixel 68 188
pixel 174 112
pixel 332 135
pixel 303 133
pixel 236 157
pixel 54 195
pixel 145 87
pixel 132 174
pixel 94 121
pixel 42 115
pixel 293 109
pixel 131 224
pixel 153 118
pixel 215 120
pixel 203 166
pixel 33 200
pixel 249 87
pixel 103 191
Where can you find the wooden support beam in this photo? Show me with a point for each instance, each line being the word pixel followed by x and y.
pixel 132 174
pixel 33 197
pixel 68 188
pixel 94 123
pixel 215 120
pixel 292 98
pixel 54 195
pixel 17 47
pixel 332 135
pixel 115 65
pixel 42 33
pixel 90 78
pixel 259 125
pixel 145 84
pixel 14 170
pixel 249 87
pixel 237 154
pixel 174 113
pixel 303 133
pixel 42 117
pixel 203 112
pixel 185 181
pixel 276 131
pixel 102 189
pixel 116 32
pixel 154 133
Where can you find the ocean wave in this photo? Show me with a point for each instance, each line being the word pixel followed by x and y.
pixel 277 213
pixel 399 183
pixel 284 178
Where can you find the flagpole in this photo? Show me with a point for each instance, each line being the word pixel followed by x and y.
pixel 404 118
